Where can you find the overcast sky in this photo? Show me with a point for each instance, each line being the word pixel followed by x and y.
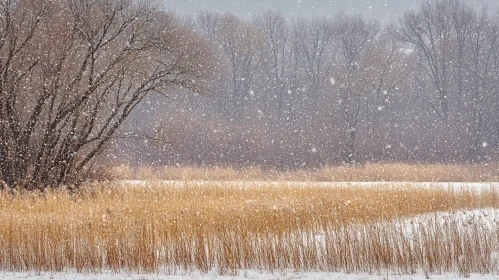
pixel 382 9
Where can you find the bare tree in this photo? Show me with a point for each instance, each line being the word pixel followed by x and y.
pixel 457 47
pixel 430 32
pixel 71 74
pixel 356 38
pixel 275 56
pixel 240 43
pixel 484 50
pixel 463 19
pixel 386 74
pixel 316 42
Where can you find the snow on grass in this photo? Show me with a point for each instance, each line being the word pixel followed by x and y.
pixel 411 228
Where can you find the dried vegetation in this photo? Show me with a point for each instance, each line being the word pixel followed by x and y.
pixel 226 227
pixel 389 172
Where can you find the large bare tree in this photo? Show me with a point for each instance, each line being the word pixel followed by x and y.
pixel 72 71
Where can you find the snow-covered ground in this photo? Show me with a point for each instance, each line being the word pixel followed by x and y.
pixel 486 219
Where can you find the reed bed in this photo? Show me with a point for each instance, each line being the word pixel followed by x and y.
pixel 228 227
pixel 376 172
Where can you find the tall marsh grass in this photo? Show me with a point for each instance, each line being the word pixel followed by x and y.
pixel 390 172
pixel 229 227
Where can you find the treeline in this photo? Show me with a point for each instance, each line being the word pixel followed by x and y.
pixel 289 92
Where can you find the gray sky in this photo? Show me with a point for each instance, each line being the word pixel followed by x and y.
pixel 382 9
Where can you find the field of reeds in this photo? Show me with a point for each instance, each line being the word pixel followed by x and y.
pixel 379 172
pixel 229 227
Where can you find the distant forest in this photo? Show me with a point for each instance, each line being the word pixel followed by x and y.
pixel 107 82
pixel 309 91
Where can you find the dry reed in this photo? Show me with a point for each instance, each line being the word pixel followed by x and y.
pixel 227 228
pixel 392 172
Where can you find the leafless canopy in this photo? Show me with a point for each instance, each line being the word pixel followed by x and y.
pixel 72 71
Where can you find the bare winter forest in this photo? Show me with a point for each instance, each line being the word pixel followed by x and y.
pixel 137 84
pixel 308 91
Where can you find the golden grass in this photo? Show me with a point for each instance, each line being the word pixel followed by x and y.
pixel 390 172
pixel 227 227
